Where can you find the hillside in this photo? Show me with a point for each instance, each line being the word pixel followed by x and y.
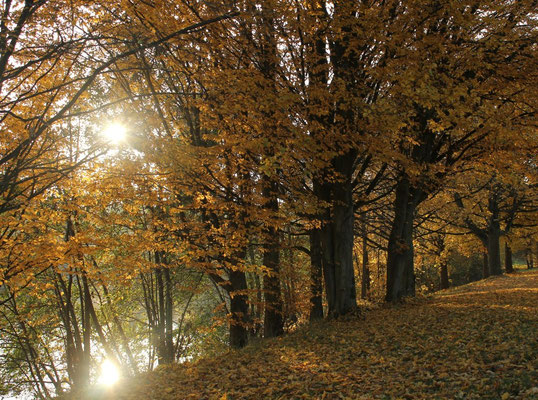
pixel 478 341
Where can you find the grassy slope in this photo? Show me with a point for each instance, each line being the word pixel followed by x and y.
pixel 478 341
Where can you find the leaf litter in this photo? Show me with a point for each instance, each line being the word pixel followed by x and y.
pixel 477 341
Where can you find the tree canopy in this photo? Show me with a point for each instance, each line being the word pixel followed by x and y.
pixel 275 157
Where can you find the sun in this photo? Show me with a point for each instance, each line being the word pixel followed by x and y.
pixel 115 133
pixel 109 373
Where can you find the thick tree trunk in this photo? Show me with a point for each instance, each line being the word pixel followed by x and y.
pixel 444 275
pixel 238 309
pixel 485 265
pixel 316 278
pixel 339 272
pixel 337 251
pixel 494 250
pixel 508 264
pixel 400 268
pixel 344 271
pixel 328 262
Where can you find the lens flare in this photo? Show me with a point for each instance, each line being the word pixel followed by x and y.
pixel 115 133
pixel 109 373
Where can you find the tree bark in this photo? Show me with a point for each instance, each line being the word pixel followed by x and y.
pixel 238 309
pixel 344 271
pixel 494 250
pixel 257 327
pixel 168 325
pixel 162 353
pixel 273 318
pixel 444 275
pixel 316 278
pixel 485 265
pixel 327 250
pixel 400 268
pixel 273 322
pixel 508 264
pixel 86 334
pixel 337 249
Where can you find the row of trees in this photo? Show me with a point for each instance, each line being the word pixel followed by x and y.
pixel 270 144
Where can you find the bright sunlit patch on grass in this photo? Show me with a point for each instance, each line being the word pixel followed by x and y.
pixel 115 133
pixel 109 373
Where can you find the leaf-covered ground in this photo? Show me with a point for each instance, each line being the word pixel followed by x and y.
pixel 478 341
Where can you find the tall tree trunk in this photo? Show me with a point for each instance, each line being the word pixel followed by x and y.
pixel 256 306
pixel 238 308
pixel 400 267
pixel 489 236
pixel 273 319
pixel 337 249
pixel 485 265
pixel 316 278
pixel 165 346
pixel 508 263
pixel 494 250
pixel 86 334
pixel 259 306
pixel 168 326
pixel 327 251
pixel 160 328
pixel 65 317
pixel 78 346
pixel 444 274
pixel 344 271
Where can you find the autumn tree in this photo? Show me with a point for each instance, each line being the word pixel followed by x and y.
pixel 448 105
pixel 255 130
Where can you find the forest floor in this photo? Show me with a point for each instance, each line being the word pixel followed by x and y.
pixel 478 341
